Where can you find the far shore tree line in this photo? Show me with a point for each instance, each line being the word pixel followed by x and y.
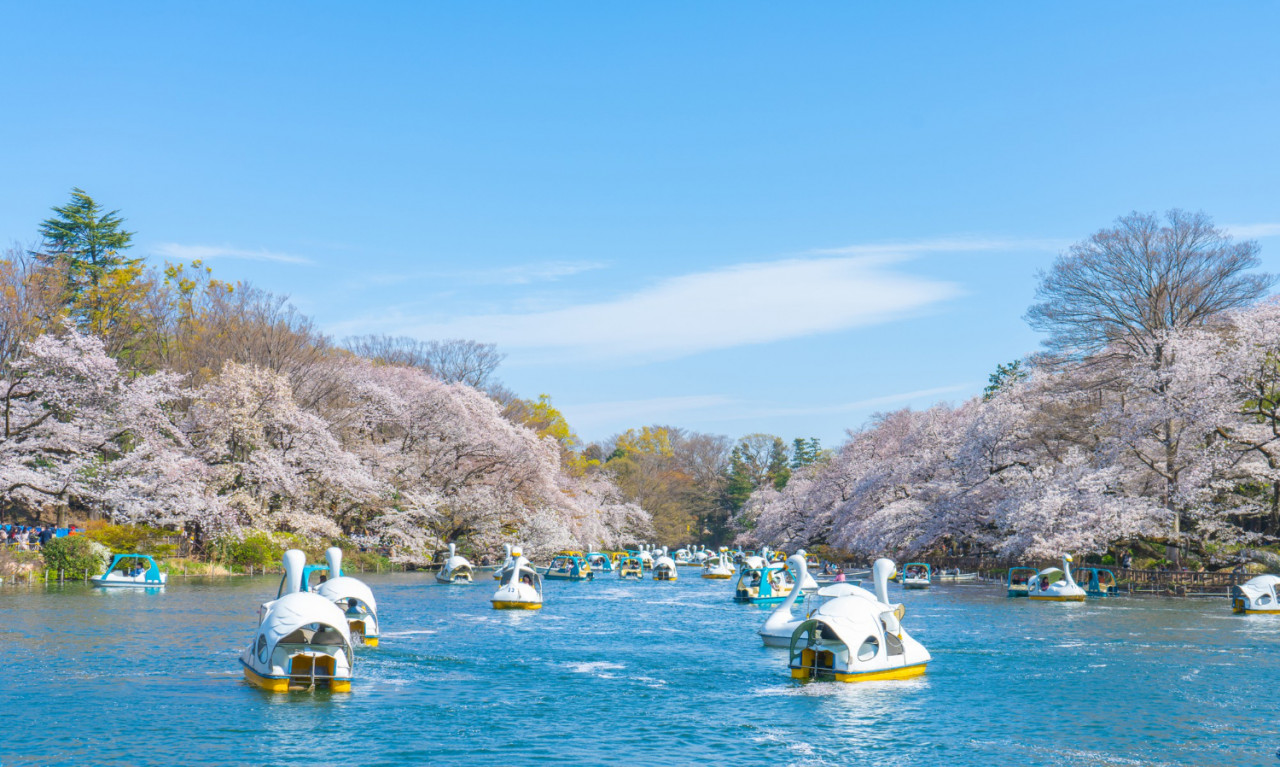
pixel 166 398
pixel 1150 423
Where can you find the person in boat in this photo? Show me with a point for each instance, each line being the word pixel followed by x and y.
pixel 840 575
pixel 526 579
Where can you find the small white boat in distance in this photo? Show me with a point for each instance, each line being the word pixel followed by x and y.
pixel 506 562
pixel 302 639
pixel 718 566
pixel 1256 595
pixel 132 570
pixel 521 588
pixel 917 575
pixel 1054 585
pixel 664 568
pixel 353 597
pixel 807 582
pixel 857 638
pixel 455 569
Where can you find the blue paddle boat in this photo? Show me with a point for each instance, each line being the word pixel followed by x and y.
pixel 131 570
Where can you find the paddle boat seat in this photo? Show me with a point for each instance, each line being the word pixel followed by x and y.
pixel 327 637
pixel 298 636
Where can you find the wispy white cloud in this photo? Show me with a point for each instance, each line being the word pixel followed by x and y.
pixel 519 274
pixel 720 309
pixel 595 414
pixel 525 274
pixel 957 244
pixel 1253 231
pixel 901 398
pixel 210 252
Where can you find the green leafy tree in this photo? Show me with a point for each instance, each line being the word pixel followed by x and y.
pixel 779 472
pixel 86 241
pixel 757 460
pixel 76 554
pixel 1004 376
pixel 805 452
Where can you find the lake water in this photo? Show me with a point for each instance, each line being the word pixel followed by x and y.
pixel 633 673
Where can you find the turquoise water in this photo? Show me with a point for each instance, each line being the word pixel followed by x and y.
pixel 662 673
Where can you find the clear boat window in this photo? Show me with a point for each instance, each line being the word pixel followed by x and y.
pixel 1264 600
pixel 262 647
pixel 870 646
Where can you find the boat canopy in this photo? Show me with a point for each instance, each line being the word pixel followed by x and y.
pixel 153 570
pixel 456 563
pixel 522 568
pixel 344 588
pixel 841 590
pixel 297 611
pixel 1264 582
pixel 850 629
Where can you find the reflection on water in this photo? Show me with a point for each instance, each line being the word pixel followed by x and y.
pixel 654 671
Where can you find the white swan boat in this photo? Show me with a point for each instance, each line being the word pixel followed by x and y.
pixel 857 638
pixel 664 568
pixel 353 597
pixel 521 588
pixel 807 582
pixel 455 569
pixel 302 639
pixel 506 562
pixel 1256 595
pixel 718 566
pixel 782 622
pixel 1054 585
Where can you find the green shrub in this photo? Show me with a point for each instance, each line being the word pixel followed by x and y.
pixel 356 561
pixel 130 539
pixel 74 554
pixel 254 550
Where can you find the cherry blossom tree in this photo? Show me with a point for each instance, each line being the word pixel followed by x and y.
pixel 274 465
pixel 77 431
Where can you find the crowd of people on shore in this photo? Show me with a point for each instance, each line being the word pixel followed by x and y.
pixel 31 537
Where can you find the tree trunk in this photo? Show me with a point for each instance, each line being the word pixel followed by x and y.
pixel 1274 522
pixel 1172 553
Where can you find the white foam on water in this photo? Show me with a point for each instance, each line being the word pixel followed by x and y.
pixel 598 668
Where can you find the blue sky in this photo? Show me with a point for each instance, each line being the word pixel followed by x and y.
pixel 733 217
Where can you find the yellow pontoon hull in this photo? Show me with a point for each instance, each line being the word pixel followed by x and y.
pixel 517 605
pixel 903 672
pixel 1237 607
pixel 717 577
pixel 278 684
